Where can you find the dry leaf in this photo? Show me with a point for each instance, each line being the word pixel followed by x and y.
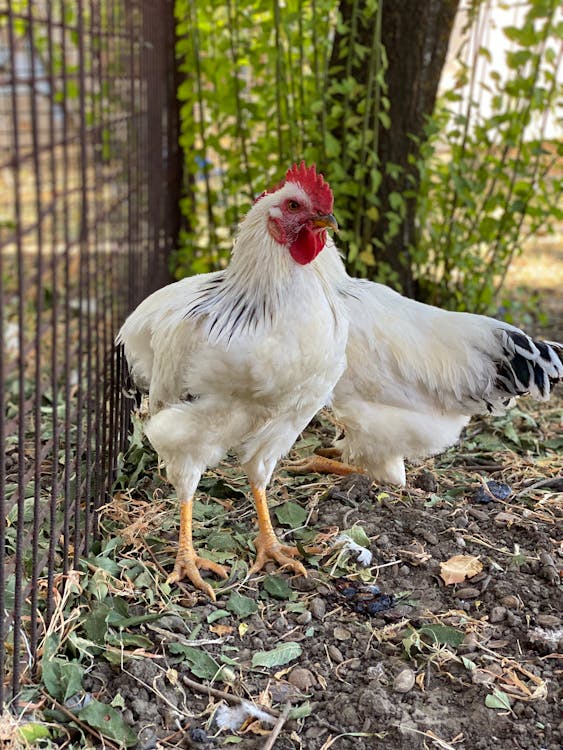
pixel 460 567
pixel 221 629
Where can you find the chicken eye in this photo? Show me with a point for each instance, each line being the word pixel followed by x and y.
pixel 293 205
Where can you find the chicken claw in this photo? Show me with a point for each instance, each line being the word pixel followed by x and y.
pixel 188 564
pixel 268 547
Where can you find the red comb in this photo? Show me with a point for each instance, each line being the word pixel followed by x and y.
pixel 313 183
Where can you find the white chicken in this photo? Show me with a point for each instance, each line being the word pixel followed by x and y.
pixel 241 359
pixel 417 373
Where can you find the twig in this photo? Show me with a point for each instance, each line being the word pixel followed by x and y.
pixel 182 639
pixel 552 482
pixel 272 737
pixel 229 697
pixel 88 729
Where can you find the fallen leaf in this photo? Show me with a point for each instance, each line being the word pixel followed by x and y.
pixel 221 629
pixel 459 568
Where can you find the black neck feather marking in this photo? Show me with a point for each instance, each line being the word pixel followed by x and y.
pixel 229 311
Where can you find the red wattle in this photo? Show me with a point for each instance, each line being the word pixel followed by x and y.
pixel 307 246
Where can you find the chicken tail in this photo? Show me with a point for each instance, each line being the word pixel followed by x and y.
pixel 528 366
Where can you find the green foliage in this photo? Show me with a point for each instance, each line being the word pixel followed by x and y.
pixel 263 87
pixel 487 178
pixel 259 93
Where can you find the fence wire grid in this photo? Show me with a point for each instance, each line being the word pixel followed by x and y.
pixel 88 216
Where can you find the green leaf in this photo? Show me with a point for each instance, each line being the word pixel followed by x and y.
pixel 95 625
pixel 109 722
pixel 242 606
pixel 498 699
pixel 301 712
pixel 62 678
pixel 199 661
pixel 32 732
pixel 358 535
pixel 218 614
pixel 443 634
pixel 277 587
pixel 291 514
pixel 277 657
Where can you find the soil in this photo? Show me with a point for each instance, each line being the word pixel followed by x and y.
pixel 354 668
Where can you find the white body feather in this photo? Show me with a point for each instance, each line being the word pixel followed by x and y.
pixel 417 373
pixel 237 360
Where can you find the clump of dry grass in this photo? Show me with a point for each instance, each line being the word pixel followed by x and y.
pixel 10 738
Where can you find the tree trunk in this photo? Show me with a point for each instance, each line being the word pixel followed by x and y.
pixel 415 34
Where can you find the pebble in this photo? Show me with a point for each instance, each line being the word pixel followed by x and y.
pixel 548 621
pixel 404 681
pixel 335 653
pixel 497 614
pixel 468 592
pixel 460 541
pixel 341 634
pixel 301 678
pixel 318 608
pixel 304 618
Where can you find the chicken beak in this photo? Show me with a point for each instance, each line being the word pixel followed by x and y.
pixel 327 221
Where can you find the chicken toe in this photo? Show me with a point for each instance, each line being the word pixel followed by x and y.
pixel 268 547
pixel 321 465
pixel 188 562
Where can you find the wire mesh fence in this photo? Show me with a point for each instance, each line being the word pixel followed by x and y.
pixel 89 213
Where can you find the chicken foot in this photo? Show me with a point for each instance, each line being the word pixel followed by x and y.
pixel 188 562
pixel 321 464
pixel 268 546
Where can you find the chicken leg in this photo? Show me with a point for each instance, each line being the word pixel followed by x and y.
pixel 188 562
pixel 268 546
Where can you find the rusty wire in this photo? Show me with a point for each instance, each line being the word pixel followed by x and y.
pixel 89 179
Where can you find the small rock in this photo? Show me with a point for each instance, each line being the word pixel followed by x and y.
pixel 198 735
pixel 460 541
pixel 335 653
pixel 341 634
pixel 497 614
pixel 481 677
pixel 404 681
pixel 304 618
pixel 479 515
pixel 429 536
pixel 425 480
pixel 510 602
pixel 548 621
pixel 468 592
pixel 495 491
pixel 469 643
pixel 302 679
pixel 300 583
pixel 318 608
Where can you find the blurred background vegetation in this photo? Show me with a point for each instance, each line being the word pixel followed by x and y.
pixel 442 164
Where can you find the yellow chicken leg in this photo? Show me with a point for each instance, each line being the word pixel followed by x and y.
pixel 322 465
pixel 268 546
pixel 188 562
